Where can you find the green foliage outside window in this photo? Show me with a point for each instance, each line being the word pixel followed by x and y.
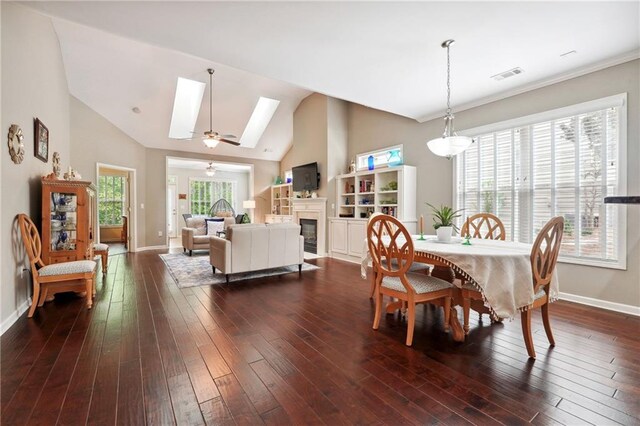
pixel 203 193
pixel 111 200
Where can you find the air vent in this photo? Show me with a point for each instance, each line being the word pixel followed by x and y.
pixel 507 74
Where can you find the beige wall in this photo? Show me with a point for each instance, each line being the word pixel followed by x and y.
pixel 309 138
pixel 264 175
pixel 95 140
pixel 337 146
pixel 33 85
pixel 370 129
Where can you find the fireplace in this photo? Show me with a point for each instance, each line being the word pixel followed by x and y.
pixel 309 230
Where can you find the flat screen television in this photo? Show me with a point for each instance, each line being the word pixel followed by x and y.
pixel 306 177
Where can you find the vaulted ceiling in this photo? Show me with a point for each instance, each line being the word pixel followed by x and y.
pixel 384 55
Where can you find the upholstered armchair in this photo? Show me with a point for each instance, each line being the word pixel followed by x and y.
pixel 195 236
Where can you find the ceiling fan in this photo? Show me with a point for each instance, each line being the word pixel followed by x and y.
pixel 211 138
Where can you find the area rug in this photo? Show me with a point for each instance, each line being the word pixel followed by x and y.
pixel 191 271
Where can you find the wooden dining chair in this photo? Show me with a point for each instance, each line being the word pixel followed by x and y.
pixel 544 256
pixel 486 226
pixel 391 263
pixel 66 276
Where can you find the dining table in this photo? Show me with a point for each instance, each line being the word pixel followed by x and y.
pixel 499 270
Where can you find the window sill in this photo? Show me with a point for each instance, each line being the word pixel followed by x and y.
pixel 110 226
pixel 596 263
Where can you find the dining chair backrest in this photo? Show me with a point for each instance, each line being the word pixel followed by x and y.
pixel 544 253
pixel 395 257
pixel 484 225
pixel 32 242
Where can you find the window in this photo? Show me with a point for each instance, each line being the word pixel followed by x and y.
pixel 111 200
pixel 204 192
pixel 381 158
pixel 559 163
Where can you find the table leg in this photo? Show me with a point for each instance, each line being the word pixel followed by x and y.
pixel 456 329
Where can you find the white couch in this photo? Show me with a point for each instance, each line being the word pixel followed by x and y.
pixel 252 247
pixel 194 235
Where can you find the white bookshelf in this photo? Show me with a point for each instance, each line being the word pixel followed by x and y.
pixel 281 207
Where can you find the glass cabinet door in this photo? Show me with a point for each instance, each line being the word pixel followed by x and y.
pixel 64 220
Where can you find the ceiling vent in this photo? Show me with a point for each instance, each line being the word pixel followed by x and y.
pixel 507 74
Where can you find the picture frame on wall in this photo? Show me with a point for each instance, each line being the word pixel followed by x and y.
pixel 41 137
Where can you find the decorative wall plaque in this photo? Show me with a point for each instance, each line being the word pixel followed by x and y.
pixel 16 146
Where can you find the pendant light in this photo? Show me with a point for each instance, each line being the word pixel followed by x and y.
pixel 449 144
pixel 210 171
pixel 209 139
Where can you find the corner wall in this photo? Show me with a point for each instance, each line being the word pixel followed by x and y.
pixel 370 129
pixel 34 84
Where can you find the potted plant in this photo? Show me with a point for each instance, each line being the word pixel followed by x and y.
pixel 443 218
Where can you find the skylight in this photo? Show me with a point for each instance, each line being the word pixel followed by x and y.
pixel 262 114
pixel 186 107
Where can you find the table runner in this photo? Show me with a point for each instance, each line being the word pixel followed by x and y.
pixel 500 270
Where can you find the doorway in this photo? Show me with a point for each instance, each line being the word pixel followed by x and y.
pixel 172 206
pixel 116 225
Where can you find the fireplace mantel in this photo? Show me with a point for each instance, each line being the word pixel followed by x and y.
pixel 313 208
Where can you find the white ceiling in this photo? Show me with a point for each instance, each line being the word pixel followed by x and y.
pixel 183 163
pixel 385 55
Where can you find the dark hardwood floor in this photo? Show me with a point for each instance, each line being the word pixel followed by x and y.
pixel 291 350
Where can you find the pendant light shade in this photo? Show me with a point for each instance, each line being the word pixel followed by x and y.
pixel 449 144
pixel 210 141
pixel 210 170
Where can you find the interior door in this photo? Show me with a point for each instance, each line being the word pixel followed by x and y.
pixel 172 210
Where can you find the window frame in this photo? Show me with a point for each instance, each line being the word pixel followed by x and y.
pixel 99 201
pixel 399 147
pixel 619 101
pixel 213 179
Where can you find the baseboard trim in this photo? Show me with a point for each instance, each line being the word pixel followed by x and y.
pixel 7 323
pixel 151 248
pixel 611 306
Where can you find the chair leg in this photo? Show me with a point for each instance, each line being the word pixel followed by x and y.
pixel 373 285
pixel 526 332
pixel 190 252
pixel 43 297
pixel 376 318
pixel 466 309
pixel 89 287
pixel 300 269
pixel 447 313
pixel 34 300
pixel 411 322
pixel 547 324
pixel 227 278
pixel 214 269
pixel 104 262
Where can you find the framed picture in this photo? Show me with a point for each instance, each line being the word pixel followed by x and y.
pixel 41 136
pixel 182 196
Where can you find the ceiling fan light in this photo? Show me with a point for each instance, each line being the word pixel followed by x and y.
pixel 210 142
pixel 210 170
pixel 449 146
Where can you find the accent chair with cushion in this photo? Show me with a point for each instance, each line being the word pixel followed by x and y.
pixel 195 236
pixel 254 246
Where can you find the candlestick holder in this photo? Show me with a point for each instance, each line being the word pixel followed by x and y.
pixel 422 238
pixel 467 240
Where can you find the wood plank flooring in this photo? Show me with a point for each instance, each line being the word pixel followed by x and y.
pixel 300 350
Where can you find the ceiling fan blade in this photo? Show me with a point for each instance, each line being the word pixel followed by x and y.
pixel 229 142
pixel 185 139
pixel 229 136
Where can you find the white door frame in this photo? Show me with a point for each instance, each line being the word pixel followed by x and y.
pixel 174 223
pixel 132 223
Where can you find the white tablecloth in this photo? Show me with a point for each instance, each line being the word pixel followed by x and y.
pixel 500 270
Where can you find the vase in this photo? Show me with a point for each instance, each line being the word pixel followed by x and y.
pixel 444 233
pixel 393 158
pixel 370 163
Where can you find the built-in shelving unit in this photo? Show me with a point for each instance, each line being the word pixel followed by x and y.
pixel 281 207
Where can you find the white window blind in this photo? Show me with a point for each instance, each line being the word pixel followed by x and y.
pixel 561 165
pixel 204 192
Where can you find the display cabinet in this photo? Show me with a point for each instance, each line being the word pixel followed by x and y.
pixel 68 220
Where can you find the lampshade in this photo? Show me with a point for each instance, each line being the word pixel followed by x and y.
pixel 449 146
pixel 249 204
pixel 210 142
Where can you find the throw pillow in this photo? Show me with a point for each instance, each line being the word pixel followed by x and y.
pixel 213 227
pixel 211 221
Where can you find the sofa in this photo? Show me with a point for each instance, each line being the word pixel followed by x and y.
pixel 252 247
pixel 194 235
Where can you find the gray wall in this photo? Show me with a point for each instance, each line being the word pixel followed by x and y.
pixel 371 129
pixel 95 140
pixel 34 84
pixel 264 175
